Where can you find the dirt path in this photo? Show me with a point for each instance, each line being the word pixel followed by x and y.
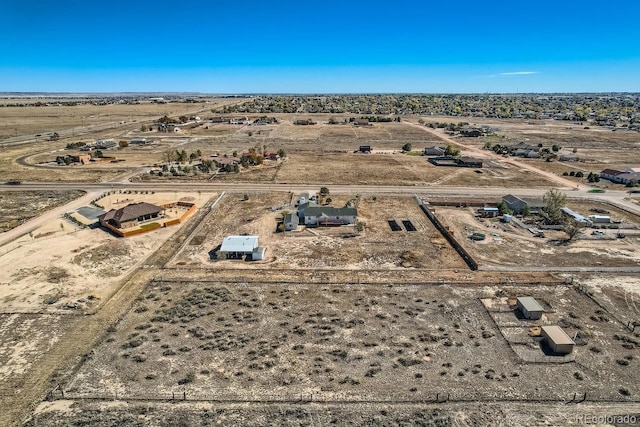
pixel 47 217
pixel 565 183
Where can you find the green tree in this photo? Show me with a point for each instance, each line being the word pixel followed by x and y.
pixel 503 208
pixel 452 151
pixel 281 153
pixel 407 147
pixel 554 201
pixel 324 191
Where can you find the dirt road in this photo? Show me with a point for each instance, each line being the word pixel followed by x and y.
pixel 47 217
pixel 564 183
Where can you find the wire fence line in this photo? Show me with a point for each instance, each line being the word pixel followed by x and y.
pixel 270 397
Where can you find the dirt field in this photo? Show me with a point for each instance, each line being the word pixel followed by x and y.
pixel 597 147
pixel 61 413
pixel 62 268
pixel 509 245
pixel 42 120
pixel 343 248
pixel 252 341
pixel 20 206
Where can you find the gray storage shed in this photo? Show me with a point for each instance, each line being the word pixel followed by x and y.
pixel 529 307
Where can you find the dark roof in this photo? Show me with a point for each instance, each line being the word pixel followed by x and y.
pixel 330 211
pixel 515 203
pixel 129 212
pixel 612 172
pixel 466 159
pixel 309 204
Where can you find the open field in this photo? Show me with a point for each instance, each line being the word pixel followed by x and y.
pixel 103 414
pixel 25 340
pixel 343 247
pixel 19 206
pixel 403 343
pixel 46 119
pixel 62 268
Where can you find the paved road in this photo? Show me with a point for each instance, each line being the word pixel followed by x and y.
pixel 617 198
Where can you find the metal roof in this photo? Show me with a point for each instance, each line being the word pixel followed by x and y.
pixel 557 335
pixel 530 304
pixel 330 211
pixel 239 244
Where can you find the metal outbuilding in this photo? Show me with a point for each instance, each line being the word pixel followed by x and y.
pixel 235 247
pixel 557 339
pixel 529 307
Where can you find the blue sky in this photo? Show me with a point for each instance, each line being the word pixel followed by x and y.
pixel 320 46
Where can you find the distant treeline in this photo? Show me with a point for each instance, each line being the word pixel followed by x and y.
pixel 598 108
